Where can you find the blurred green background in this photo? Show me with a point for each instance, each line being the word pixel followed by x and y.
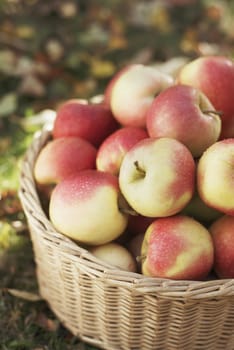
pixel 54 50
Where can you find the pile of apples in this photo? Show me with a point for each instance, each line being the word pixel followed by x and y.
pixel 144 178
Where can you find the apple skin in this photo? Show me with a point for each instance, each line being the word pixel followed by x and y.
pixel 115 254
pixel 157 177
pixel 215 176
pixel 62 157
pixel 85 207
pixel 133 91
pixel 108 89
pixel 177 247
pixel 214 76
pixel 222 232
pixel 181 112
pixel 90 121
pixel 113 149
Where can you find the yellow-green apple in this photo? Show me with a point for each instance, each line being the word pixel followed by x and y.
pixel 184 113
pixel 222 232
pixel 214 76
pixel 157 176
pixel 112 150
pixel 177 247
pixel 215 176
pixel 133 91
pixel 90 121
pixel 62 157
pixel 115 254
pixel 200 211
pixel 85 207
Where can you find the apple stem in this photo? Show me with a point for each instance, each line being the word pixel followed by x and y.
pixel 138 168
pixel 124 207
pixel 207 111
pixel 139 258
pixel 128 211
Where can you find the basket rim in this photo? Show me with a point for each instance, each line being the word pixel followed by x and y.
pixel 193 289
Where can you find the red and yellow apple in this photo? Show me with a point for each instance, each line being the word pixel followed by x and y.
pixel 215 172
pixel 222 232
pixel 184 113
pixel 177 247
pixel 90 121
pixel 62 157
pixel 116 255
pixel 214 76
pixel 85 207
pixel 157 177
pixel 108 89
pixel 113 149
pixel 133 91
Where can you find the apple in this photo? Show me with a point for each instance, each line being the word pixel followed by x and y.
pixel 115 254
pixel 62 157
pixel 200 211
pixel 111 152
pixel 157 177
pixel 133 91
pixel 177 247
pixel 90 121
pixel 108 89
pixel 214 76
pixel 215 176
pixel 85 207
pixel 184 113
pixel 222 232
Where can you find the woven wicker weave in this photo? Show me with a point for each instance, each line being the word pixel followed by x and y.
pixel 117 310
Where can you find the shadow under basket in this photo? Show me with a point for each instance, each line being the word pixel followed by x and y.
pixel 118 310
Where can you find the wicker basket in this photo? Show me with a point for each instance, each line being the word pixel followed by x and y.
pixel 117 310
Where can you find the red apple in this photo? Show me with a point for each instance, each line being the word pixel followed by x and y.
pixel 214 76
pixel 157 177
pixel 177 247
pixel 215 172
pixel 62 157
pixel 133 91
pixel 85 207
pixel 115 146
pixel 90 121
pixel 184 113
pixel 222 231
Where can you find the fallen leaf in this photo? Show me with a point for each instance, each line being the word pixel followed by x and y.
pixel 24 294
pixel 102 69
pixel 8 104
pixel 32 86
pixel 25 31
pixel 7 61
pixel 47 323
